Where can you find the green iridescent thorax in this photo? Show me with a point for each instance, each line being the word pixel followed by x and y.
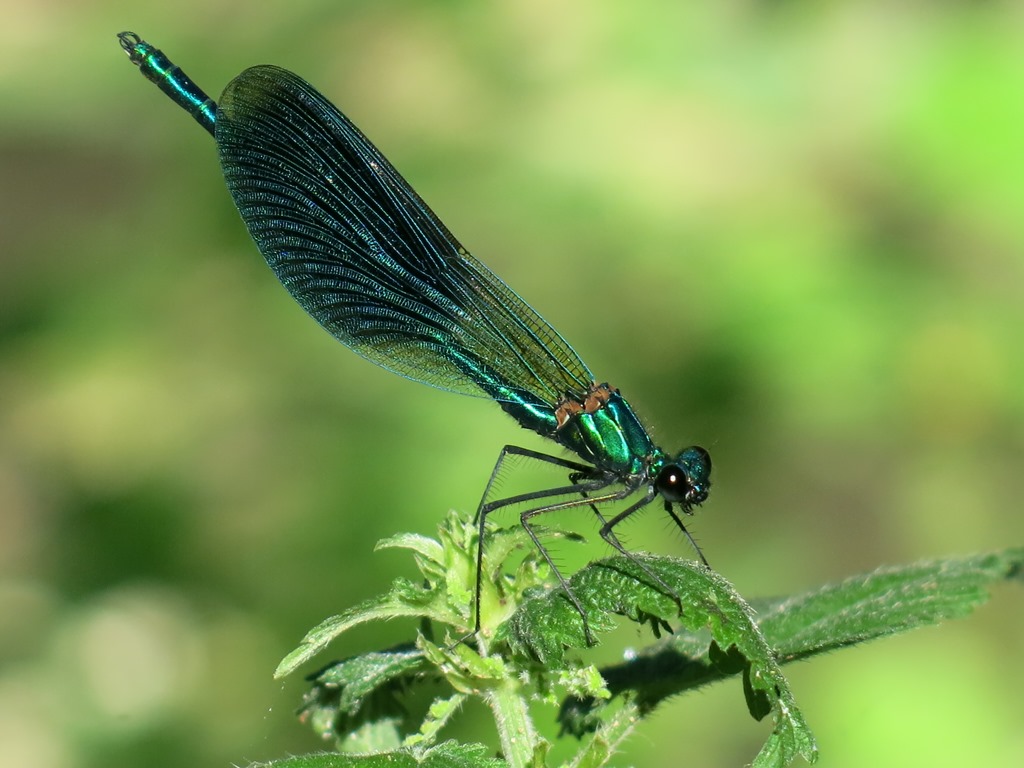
pixel 611 437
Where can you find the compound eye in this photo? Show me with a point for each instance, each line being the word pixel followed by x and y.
pixel 672 483
pixel 687 479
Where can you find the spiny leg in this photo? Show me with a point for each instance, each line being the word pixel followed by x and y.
pixel 608 534
pixel 596 482
pixel 581 471
pixel 569 504
pixel 575 478
pixel 679 522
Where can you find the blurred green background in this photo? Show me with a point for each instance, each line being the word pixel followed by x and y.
pixel 790 232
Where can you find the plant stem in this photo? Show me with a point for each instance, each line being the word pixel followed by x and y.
pixel 515 727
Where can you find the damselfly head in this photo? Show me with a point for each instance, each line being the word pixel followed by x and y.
pixel 687 479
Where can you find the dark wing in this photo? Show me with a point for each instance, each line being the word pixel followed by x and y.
pixel 365 256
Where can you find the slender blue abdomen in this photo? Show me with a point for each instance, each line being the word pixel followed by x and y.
pixel 169 78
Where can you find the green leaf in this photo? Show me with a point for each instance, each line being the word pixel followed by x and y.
pixel 363 690
pixel 454 755
pixel 372 737
pixel 884 602
pixel 547 623
pixel 424 545
pixel 447 755
pixel 509 664
pixel 441 711
pixel 445 594
pixel 607 738
pixel 404 599
pixel 858 609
